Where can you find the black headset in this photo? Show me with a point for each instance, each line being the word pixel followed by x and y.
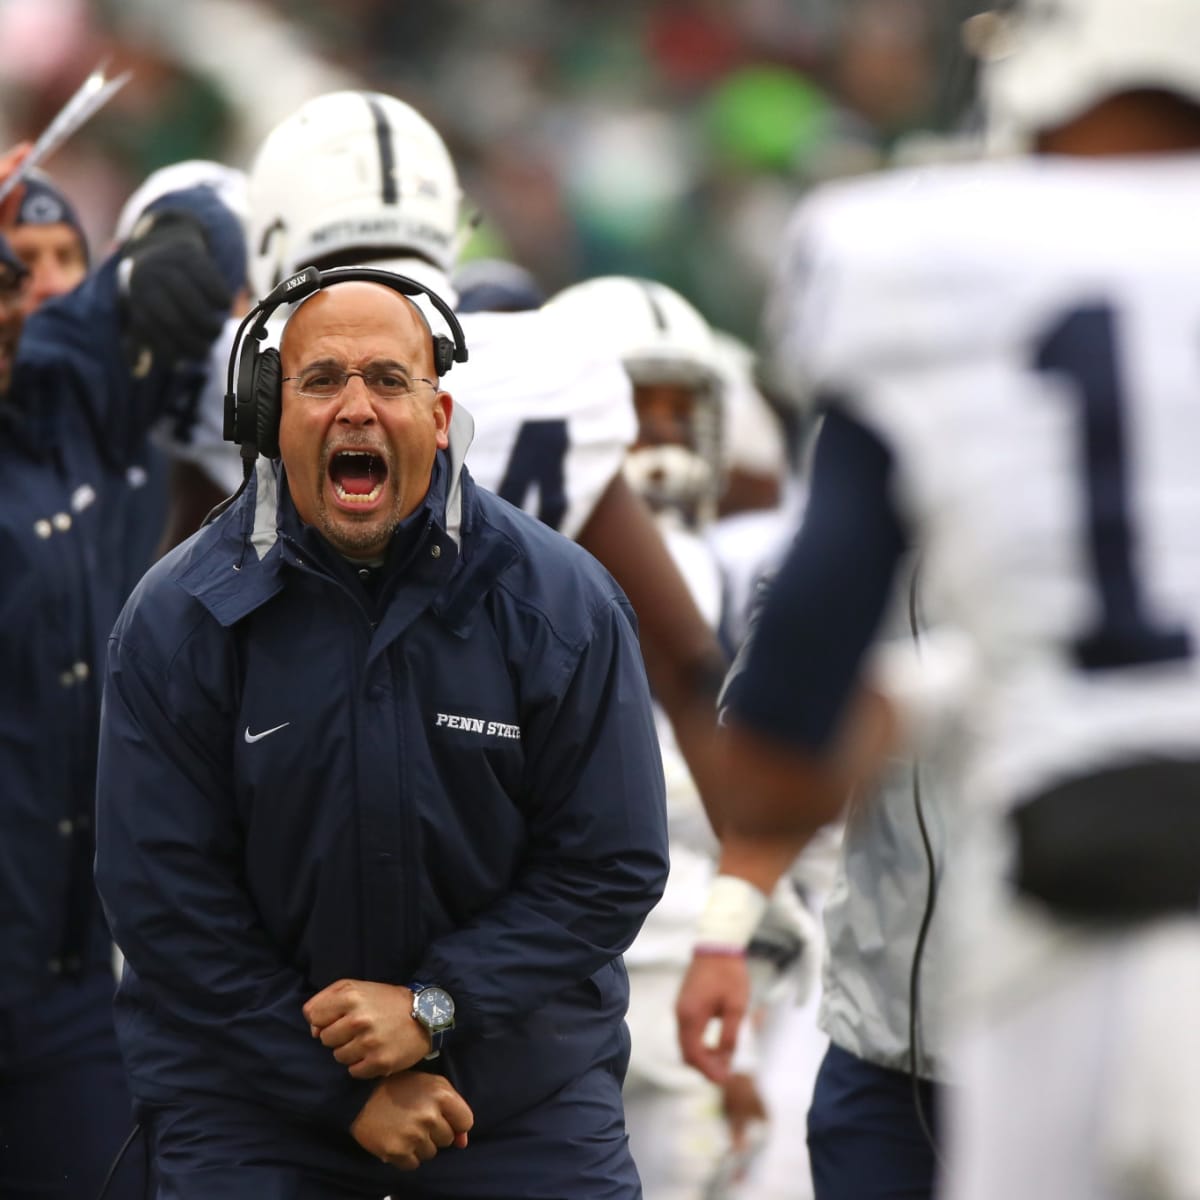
pixel 252 409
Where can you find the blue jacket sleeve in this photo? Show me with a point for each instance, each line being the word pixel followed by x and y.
pixel 72 350
pixel 596 860
pixel 169 872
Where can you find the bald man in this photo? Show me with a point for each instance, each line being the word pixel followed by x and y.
pixel 380 807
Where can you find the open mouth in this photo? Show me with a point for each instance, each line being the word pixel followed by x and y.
pixel 357 476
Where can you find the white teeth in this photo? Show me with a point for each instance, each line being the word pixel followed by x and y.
pixel 356 498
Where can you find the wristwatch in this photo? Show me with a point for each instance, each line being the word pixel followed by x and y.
pixel 433 1007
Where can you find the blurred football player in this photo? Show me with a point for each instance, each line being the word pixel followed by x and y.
pixel 860 1076
pixel 680 1125
pixel 1010 359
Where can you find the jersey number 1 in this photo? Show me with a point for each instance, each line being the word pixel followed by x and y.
pixel 1083 346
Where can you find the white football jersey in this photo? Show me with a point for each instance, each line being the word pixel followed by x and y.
pixel 553 415
pixel 1025 338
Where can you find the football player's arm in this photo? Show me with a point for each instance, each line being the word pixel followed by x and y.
pixel 169 870
pixel 801 730
pixel 684 661
pixel 595 861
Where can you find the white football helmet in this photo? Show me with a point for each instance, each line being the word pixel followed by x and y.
pixel 661 339
pixel 229 184
pixel 1048 61
pixel 348 171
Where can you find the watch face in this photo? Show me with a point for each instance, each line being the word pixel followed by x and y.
pixel 435 1008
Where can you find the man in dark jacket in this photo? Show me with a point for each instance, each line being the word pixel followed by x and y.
pixel 80 385
pixel 48 238
pixel 373 738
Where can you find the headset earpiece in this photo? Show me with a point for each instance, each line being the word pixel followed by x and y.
pixel 268 402
pixel 252 411
pixel 245 420
pixel 443 354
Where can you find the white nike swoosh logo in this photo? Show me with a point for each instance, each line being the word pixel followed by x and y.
pixel 257 737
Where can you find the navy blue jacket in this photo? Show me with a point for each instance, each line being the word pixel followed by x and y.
pixel 72 440
pixel 457 781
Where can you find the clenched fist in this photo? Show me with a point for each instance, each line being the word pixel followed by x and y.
pixel 410 1117
pixel 368 1026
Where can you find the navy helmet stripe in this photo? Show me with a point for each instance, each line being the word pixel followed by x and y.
pixel 387 158
pixel 660 318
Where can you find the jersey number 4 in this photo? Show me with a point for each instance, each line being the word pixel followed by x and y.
pixel 537 461
pixel 1083 346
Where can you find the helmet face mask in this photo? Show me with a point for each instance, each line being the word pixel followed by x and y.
pixel 350 171
pixel 1047 62
pixel 671 465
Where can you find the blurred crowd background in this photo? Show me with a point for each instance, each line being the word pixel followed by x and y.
pixel 663 138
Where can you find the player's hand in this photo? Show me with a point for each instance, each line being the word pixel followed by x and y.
pixel 10 160
pixel 743 1106
pixel 368 1026
pixel 410 1117
pixel 716 987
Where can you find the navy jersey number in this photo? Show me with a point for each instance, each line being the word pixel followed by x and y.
pixel 1083 346
pixel 538 461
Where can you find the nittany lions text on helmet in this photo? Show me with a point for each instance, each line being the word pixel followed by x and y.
pixel 351 171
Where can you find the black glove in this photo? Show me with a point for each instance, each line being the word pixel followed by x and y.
pixel 176 300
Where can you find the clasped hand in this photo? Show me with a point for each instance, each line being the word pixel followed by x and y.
pixel 411 1115
pixel 368 1026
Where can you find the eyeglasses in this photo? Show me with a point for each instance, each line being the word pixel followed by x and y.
pixel 384 380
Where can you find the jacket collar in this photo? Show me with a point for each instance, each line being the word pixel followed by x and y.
pixel 239 568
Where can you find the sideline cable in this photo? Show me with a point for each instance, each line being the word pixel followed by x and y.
pixel 116 1162
pixel 914 976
